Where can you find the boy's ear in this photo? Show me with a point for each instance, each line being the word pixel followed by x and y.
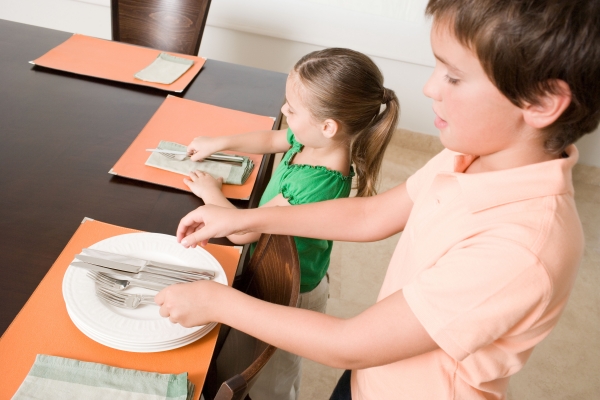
pixel 549 106
pixel 329 128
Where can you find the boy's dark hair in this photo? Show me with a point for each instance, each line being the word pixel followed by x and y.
pixel 524 46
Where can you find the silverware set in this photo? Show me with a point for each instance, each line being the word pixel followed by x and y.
pixel 148 274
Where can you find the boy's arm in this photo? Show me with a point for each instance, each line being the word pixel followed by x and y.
pixel 386 332
pixel 252 237
pixel 357 219
pixel 258 142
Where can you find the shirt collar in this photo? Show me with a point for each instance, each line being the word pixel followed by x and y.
pixel 490 189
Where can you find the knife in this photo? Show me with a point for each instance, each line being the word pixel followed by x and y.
pixel 146 265
pixel 157 272
pixel 152 282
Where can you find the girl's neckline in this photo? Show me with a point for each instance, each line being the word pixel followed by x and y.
pixel 297 148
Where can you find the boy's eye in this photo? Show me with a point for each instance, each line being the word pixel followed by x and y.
pixel 451 80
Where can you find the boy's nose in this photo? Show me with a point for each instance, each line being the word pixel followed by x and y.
pixel 429 88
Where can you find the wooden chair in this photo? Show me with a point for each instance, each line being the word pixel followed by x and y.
pixel 273 275
pixel 168 25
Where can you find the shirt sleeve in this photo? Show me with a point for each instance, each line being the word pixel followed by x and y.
pixel 291 138
pixel 478 293
pixel 308 184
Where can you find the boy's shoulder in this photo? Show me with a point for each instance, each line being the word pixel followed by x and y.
pixel 489 189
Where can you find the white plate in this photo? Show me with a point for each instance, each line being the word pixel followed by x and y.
pixel 142 327
pixel 143 348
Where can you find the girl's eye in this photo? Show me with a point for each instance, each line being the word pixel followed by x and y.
pixel 450 80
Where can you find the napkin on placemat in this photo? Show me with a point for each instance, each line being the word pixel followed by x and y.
pixel 233 174
pixel 165 69
pixel 64 378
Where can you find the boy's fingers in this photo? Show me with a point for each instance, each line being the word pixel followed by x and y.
pixel 188 224
pixel 199 236
pixel 163 312
pixel 160 297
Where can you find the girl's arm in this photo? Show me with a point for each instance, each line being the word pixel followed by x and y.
pixel 258 142
pixel 357 219
pixel 386 332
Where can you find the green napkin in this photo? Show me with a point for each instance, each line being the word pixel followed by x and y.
pixel 232 173
pixel 165 69
pixel 64 379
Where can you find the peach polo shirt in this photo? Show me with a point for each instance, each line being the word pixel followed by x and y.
pixel 486 263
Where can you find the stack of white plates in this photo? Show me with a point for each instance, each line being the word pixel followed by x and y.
pixel 141 329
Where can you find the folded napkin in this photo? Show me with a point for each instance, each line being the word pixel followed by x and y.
pixel 64 379
pixel 165 69
pixel 232 173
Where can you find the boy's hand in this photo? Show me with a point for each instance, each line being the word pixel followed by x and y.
pixel 190 304
pixel 203 185
pixel 207 222
pixel 202 147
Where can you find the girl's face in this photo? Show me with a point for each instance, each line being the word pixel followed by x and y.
pixel 306 128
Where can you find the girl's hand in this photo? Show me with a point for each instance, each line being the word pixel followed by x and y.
pixel 202 147
pixel 207 222
pixel 203 185
pixel 190 304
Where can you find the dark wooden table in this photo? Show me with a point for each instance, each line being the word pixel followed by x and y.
pixel 61 133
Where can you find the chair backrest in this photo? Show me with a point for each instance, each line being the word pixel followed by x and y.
pixel 168 25
pixel 273 275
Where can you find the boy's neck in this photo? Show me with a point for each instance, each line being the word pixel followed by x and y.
pixel 514 157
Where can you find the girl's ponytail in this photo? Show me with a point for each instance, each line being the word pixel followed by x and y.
pixel 368 147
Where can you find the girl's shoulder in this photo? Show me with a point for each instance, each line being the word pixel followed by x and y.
pixel 291 138
pixel 317 173
pixel 302 183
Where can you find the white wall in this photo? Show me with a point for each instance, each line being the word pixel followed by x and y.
pixel 274 34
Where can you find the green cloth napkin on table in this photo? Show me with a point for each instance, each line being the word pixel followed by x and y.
pixel 232 173
pixel 165 69
pixel 60 378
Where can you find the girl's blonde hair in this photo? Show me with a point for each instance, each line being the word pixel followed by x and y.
pixel 346 86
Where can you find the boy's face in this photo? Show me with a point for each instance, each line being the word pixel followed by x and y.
pixel 472 115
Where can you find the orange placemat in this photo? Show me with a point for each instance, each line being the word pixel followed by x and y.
pixel 44 327
pixel 115 61
pixel 180 120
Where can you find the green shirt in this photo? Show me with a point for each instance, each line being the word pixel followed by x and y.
pixel 301 184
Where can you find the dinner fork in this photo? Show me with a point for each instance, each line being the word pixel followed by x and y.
pixel 123 300
pixel 176 157
pixel 181 155
pixel 121 284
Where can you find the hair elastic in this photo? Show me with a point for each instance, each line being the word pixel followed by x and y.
pixel 386 96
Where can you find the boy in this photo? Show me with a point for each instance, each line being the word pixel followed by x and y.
pixel 491 239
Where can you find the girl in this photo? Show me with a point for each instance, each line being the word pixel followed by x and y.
pixel 333 109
